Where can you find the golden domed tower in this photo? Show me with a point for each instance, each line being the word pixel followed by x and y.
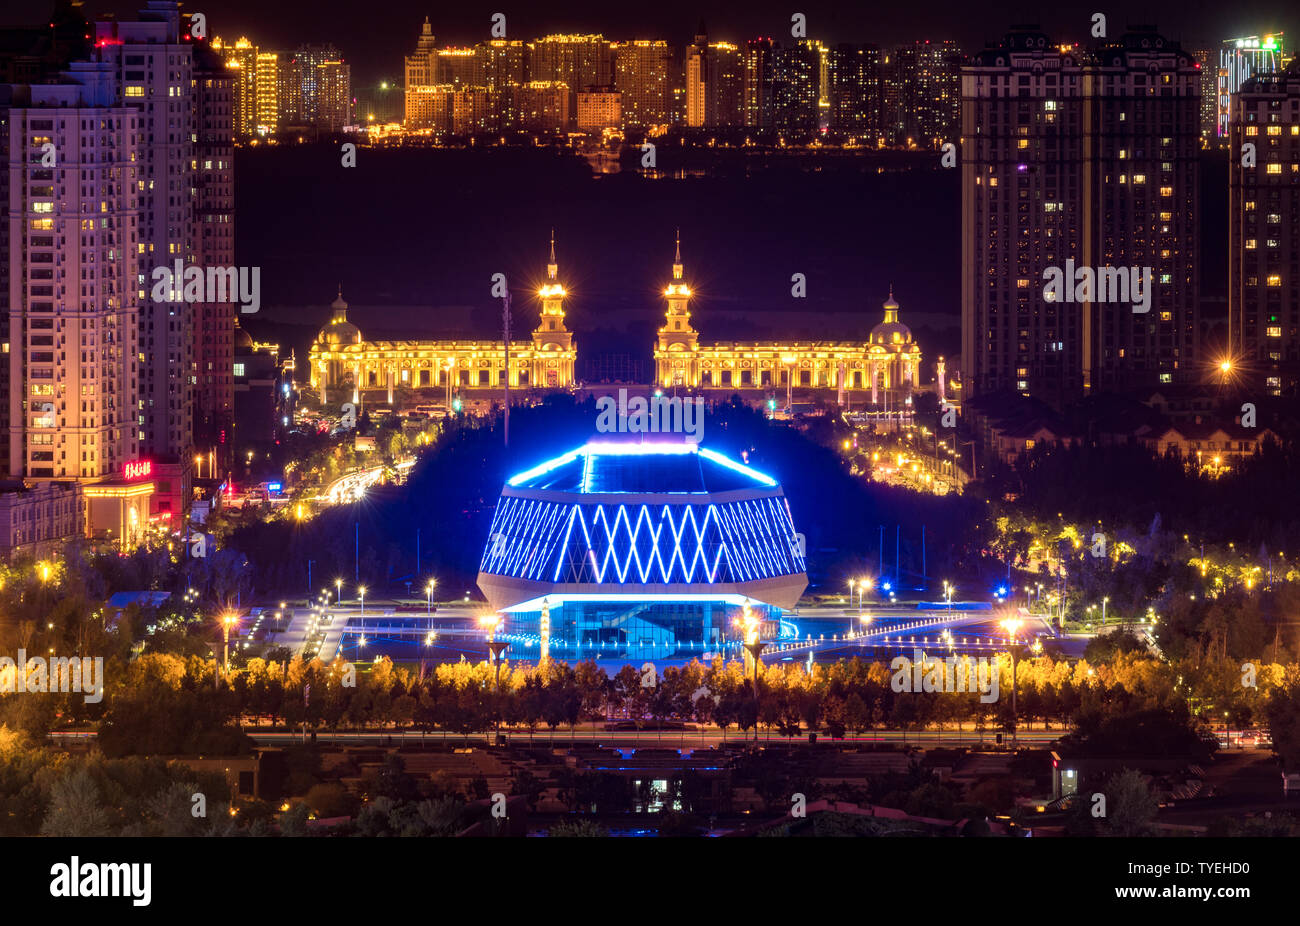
pixel 550 333
pixel 677 333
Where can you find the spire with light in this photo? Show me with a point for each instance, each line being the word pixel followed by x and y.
pixel 552 291
pixel 677 290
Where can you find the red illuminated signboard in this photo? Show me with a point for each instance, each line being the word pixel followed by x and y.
pixel 138 469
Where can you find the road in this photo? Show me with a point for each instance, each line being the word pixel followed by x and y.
pixel 590 733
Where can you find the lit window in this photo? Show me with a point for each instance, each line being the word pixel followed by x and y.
pixel 1275 331
pixel 1275 168
pixel 1275 279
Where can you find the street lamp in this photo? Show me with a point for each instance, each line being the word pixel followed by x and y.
pixel 361 593
pixel 1012 625
pixel 228 619
pixel 1103 611
pixel 496 650
pixel 429 590
pixel 754 646
pixel 338 586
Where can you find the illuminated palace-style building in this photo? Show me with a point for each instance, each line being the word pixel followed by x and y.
pixel 888 361
pixel 638 550
pixel 339 357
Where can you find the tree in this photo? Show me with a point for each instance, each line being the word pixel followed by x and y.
pixel 1283 712
pixel 585 828
pixel 75 808
pixel 1130 805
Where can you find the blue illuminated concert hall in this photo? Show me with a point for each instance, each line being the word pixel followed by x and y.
pixel 650 550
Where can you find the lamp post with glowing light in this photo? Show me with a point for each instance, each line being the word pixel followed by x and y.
pixel 754 647
pixel 1012 626
pixel 228 620
pixel 429 590
pixel 338 590
pixel 496 649
pixel 361 594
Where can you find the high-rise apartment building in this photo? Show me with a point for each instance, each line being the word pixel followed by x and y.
pixel 797 85
pixel 288 93
pixel 855 92
pixel 599 109
pixel 1082 163
pixel 241 58
pixel 503 70
pixel 331 109
pixel 267 121
pixel 1264 231
pixel 543 106
pixel 72 185
pixel 153 67
pixel 421 67
pixel 926 79
pixel 757 61
pixel 641 77
pixel 715 84
pixel 1241 59
pixel 459 67
pixel 578 61
pixel 214 246
pixel 1207 61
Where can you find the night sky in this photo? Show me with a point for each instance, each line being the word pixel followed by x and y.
pixel 375 36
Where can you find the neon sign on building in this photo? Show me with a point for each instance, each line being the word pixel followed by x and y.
pixel 138 469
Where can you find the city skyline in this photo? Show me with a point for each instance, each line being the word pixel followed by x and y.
pixel 378 36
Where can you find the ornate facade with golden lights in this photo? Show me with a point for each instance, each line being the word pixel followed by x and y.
pixel 889 361
pixel 340 357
